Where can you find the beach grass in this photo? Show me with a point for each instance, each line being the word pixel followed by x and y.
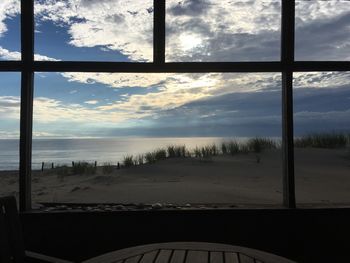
pixel 107 168
pixel 128 161
pixel 83 168
pixel 232 147
pixel 257 145
pixel 323 140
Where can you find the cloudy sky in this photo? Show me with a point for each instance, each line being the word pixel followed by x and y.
pixel 216 104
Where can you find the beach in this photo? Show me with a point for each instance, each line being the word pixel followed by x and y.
pixel 322 178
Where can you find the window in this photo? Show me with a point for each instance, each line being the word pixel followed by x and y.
pixel 9 133
pixel 223 30
pixel 322 30
pixel 207 74
pixel 321 118
pixel 169 132
pixel 94 30
pixel 10 44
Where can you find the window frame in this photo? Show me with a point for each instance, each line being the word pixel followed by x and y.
pixel 287 66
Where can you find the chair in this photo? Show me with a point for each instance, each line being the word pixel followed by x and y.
pixel 11 240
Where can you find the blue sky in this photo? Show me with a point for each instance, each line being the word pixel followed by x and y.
pixel 103 104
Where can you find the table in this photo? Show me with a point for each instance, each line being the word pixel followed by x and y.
pixel 188 252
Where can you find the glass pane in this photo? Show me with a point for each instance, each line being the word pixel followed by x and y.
pixel 322 130
pixel 209 30
pixel 157 138
pixel 10 45
pixel 115 30
pixel 9 133
pixel 322 30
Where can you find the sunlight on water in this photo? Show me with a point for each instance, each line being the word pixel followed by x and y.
pixel 111 150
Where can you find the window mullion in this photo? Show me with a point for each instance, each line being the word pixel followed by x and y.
pixel 159 32
pixel 287 59
pixel 27 79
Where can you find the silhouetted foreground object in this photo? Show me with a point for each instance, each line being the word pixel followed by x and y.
pixel 188 252
pixel 11 240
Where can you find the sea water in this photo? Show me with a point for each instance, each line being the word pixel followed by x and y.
pixel 101 150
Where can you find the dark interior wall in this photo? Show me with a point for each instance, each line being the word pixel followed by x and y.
pixel 307 235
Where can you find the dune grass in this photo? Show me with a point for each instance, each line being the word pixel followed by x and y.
pixel 323 140
pixel 257 145
pixel 83 168
pixel 128 161
pixel 107 168
pixel 231 147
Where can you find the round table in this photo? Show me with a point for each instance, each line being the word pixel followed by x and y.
pixel 188 252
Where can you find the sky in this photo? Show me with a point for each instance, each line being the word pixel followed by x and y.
pixel 214 104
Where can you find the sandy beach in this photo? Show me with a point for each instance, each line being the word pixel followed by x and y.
pixel 322 177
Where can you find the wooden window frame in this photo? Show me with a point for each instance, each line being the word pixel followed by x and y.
pixel 286 66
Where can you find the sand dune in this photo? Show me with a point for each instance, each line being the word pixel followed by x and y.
pixel 322 177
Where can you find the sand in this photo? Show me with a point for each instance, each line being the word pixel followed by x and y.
pixel 322 177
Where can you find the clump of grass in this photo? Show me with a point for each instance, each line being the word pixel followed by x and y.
pixel 223 148
pixel 140 159
pixel 257 145
pixel 323 140
pixel 150 157
pixel 128 161
pixel 83 168
pixel 214 149
pixel 176 151
pixel 180 151
pixel 233 147
pixel 243 148
pixel 197 152
pixel 205 151
pixel 171 151
pixel 159 154
pixel 107 168
pixel 62 170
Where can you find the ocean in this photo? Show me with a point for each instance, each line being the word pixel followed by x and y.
pixel 111 150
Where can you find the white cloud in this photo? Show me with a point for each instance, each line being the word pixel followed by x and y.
pixel 122 25
pixel 9 107
pixel 91 102
pixel 126 26
pixel 223 30
pixel 15 55
pixel 9 134
pixel 8 9
pixel 321 79
pixel 179 89
pixel 308 11
pixel 116 80
pixel 9 55
pixel 196 30
pixel 50 111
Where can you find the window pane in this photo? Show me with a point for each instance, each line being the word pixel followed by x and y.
pixel 322 130
pixel 9 133
pixel 115 30
pixel 10 46
pixel 166 131
pixel 322 30
pixel 209 30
